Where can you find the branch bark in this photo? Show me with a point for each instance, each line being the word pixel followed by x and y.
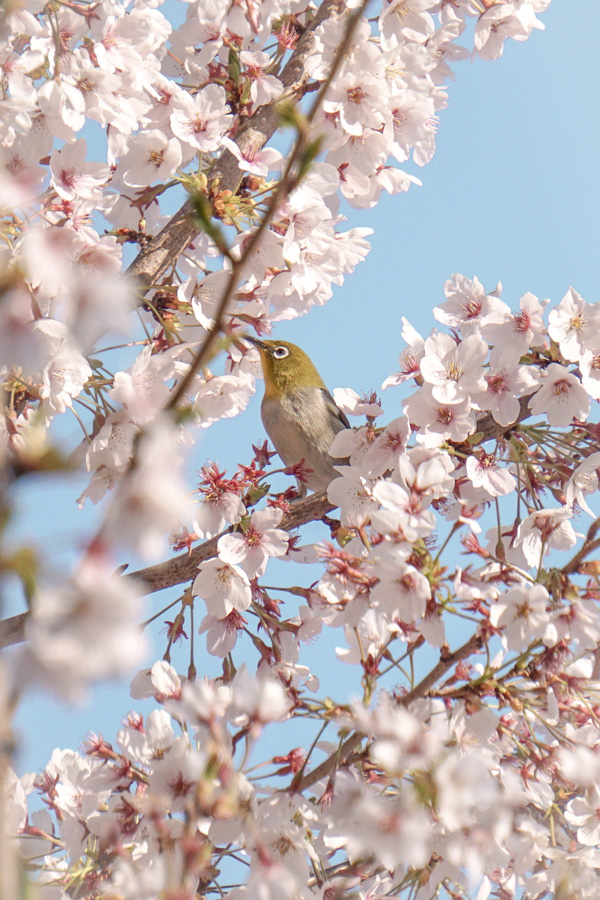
pixel 185 566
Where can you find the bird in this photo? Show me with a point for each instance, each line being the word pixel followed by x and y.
pixel 298 412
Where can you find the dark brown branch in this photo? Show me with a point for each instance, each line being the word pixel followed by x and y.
pixel 573 564
pixel 446 661
pixel 184 567
pixel 12 630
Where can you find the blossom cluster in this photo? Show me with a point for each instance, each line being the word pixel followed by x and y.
pixel 484 777
pixel 470 763
pixel 171 101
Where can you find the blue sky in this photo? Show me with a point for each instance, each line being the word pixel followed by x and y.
pixel 511 195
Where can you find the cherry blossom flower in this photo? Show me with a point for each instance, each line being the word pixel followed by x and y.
pixel 252 159
pixel 360 102
pixel 561 397
pixel 142 389
pixel 484 471
pixel 72 176
pixel 406 20
pixel 161 681
pixel 368 640
pixel 264 87
pixel 589 365
pixel 579 623
pixel 409 511
pixel 353 405
pixel 409 358
pixel 523 614
pixel 257 700
pixel 219 509
pixel 221 633
pixel 582 813
pixel 201 120
pixel 573 324
pixel 252 548
pixel 150 157
pixel 383 454
pixel 413 126
pixel 502 21
pixel 439 422
pixel 224 588
pixel 352 493
pixel 504 385
pixel 468 305
pixel 64 378
pixel 455 371
pixel 222 397
pixel 583 481
pixel 516 332
pixel 402 590
pixel 152 501
pixel 86 628
pixel 544 530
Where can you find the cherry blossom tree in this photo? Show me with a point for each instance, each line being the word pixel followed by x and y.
pixel 470 765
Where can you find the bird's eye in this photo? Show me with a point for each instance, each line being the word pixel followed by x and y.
pixel 281 352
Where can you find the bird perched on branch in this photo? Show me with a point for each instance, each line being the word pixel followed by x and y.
pixel 298 412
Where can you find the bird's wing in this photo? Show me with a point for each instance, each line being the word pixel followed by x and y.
pixel 334 408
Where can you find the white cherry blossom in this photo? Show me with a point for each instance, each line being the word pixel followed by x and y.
pixel 224 587
pixel 523 614
pixel 573 324
pixel 561 396
pixel 203 119
pixel 455 371
pixel 252 548
pixel 544 530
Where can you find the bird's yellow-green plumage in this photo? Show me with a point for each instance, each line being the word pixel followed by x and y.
pixel 298 412
pixel 283 375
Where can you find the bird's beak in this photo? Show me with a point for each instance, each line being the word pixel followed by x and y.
pixel 252 340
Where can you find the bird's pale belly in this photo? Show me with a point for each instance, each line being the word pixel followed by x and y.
pixel 298 433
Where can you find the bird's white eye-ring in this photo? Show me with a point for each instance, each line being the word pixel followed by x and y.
pixel 281 352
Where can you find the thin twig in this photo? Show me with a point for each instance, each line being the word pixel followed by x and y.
pixel 446 662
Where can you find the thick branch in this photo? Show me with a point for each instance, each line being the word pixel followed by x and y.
pixel 184 567
pixel 12 630
pixel 164 249
pixel 487 425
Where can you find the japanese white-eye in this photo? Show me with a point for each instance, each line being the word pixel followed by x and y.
pixel 298 412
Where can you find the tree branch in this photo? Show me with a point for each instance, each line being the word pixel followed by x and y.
pixel 447 660
pixel 184 567
pixel 153 260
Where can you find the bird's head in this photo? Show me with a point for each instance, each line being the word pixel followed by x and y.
pixel 285 366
